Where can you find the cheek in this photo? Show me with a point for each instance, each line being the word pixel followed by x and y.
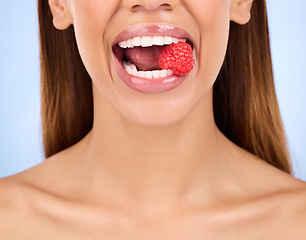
pixel 91 18
pixel 212 17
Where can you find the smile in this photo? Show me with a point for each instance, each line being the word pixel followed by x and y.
pixel 136 52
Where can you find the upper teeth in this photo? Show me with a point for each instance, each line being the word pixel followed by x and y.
pixel 147 41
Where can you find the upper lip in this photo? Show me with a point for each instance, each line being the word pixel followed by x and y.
pixel 152 30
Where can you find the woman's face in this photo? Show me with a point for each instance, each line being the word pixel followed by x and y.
pixel 98 23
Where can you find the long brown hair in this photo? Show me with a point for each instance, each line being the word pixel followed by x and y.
pixel 245 103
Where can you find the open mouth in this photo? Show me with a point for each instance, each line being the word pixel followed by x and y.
pixel 139 55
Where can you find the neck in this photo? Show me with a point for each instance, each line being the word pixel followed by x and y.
pixel 149 164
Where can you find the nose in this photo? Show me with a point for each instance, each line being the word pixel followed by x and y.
pixel 150 5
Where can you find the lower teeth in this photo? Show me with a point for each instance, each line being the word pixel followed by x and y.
pixel 131 69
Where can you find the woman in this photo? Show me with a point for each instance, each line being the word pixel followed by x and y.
pixel 201 156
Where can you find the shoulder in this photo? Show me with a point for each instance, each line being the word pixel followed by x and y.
pixel 278 213
pixel 273 200
pixel 294 201
pixel 282 191
pixel 25 201
pixel 14 208
pixel 12 195
pixel 27 207
pixel 292 210
pixel 283 211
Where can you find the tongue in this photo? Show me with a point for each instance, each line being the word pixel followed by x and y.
pixel 144 58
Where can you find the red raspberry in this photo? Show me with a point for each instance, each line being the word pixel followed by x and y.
pixel 177 57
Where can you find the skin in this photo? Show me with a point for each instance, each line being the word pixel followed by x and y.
pixel 154 166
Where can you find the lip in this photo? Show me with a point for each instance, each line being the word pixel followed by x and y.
pixel 143 84
pixel 147 85
pixel 152 30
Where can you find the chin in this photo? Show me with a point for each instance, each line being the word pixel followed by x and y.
pixel 165 110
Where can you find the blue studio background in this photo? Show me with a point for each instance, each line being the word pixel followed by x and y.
pixel 20 130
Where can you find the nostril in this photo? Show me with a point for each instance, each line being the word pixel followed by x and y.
pixel 166 6
pixel 151 6
pixel 141 8
pixel 137 8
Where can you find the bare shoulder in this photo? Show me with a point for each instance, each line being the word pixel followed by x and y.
pixel 283 204
pixel 14 209
pixel 291 204
pixel 25 203
pixel 273 200
pixel 295 200
pixel 26 210
pixel 285 189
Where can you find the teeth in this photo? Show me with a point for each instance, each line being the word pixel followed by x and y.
pixel 136 41
pixel 132 70
pixel 159 41
pixel 123 44
pixel 168 40
pixel 147 41
pixel 130 43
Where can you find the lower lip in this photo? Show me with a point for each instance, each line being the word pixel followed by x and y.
pixel 146 85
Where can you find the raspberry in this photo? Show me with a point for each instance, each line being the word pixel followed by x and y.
pixel 177 57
